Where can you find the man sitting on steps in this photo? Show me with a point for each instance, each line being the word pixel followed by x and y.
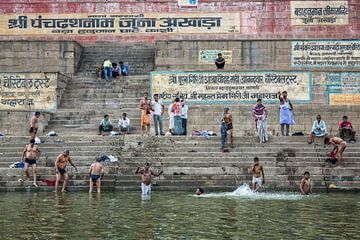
pixel 124 124
pixel 105 125
pixel 346 129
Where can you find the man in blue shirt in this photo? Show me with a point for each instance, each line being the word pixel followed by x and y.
pixel 124 68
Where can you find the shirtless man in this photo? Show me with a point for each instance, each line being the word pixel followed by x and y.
pixel 145 106
pixel 31 154
pixel 305 185
pixel 96 172
pixel 146 176
pixel 338 143
pixel 60 165
pixel 229 124
pixel 34 125
pixel 258 175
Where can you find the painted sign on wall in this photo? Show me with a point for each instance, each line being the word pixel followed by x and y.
pixel 343 88
pixel 187 3
pixel 209 56
pixel 28 92
pixel 215 87
pixel 333 54
pixel 305 13
pixel 110 23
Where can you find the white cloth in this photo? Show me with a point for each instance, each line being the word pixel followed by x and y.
pixel 262 130
pixel 145 189
pixel 157 107
pixel 124 123
pixel 184 111
pixel 257 181
pixel 171 117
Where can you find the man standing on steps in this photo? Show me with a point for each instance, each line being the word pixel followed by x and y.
pixel 60 164
pixel 34 125
pixel 258 175
pixel 145 106
pixel 158 109
pixel 146 177
pixel 31 154
pixel 229 125
pixel 184 115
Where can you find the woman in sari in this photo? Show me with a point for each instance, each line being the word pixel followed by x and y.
pixel 286 114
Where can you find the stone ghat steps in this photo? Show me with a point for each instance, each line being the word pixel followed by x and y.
pixel 140 58
pixel 184 141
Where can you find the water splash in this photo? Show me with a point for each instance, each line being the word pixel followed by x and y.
pixel 245 192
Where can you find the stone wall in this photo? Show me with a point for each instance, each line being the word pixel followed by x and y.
pixel 257 19
pixel 40 56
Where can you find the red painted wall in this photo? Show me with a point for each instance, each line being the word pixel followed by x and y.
pixel 266 19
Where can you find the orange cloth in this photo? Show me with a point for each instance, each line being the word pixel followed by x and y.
pixel 145 118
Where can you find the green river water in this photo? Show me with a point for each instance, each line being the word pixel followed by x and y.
pixel 179 215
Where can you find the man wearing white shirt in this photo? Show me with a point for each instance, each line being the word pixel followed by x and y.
pixel 124 123
pixel 184 115
pixel 158 109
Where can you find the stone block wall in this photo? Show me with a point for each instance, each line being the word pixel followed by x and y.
pixel 40 56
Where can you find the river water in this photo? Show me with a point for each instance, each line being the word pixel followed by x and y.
pixel 179 215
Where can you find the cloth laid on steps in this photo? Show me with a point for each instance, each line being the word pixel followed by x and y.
pixel 52 134
pixel 206 134
pixel 17 165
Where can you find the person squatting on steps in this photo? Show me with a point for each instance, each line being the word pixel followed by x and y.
pixel 60 169
pixel 31 154
pixel 105 125
pixel 96 173
pixel 286 114
pixel 146 177
pixel 318 129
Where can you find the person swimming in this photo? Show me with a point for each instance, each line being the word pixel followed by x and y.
pixel 199 191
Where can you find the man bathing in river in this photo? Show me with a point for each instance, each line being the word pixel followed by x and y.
pixel 339 145
pixel 34 125
pixel 146 177
pixel 305 185
pixel 258 175
pixel 31 154
pixel 60 164
pixel 96 172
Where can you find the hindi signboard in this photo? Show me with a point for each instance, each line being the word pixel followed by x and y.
pixel 317 13
pixel 215 87
pixel 28 92
pixel 187 3
pixel 332 54
pixel 115 24
pixel 343 88
pixel 209 56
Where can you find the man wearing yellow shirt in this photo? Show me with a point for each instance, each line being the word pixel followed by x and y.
pixel 107 68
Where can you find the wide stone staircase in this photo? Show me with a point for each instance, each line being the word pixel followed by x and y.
pixel 188 162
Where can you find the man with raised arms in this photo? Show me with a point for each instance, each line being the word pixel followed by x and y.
pixel 31 154
pixel 146 177
pixel 60 164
